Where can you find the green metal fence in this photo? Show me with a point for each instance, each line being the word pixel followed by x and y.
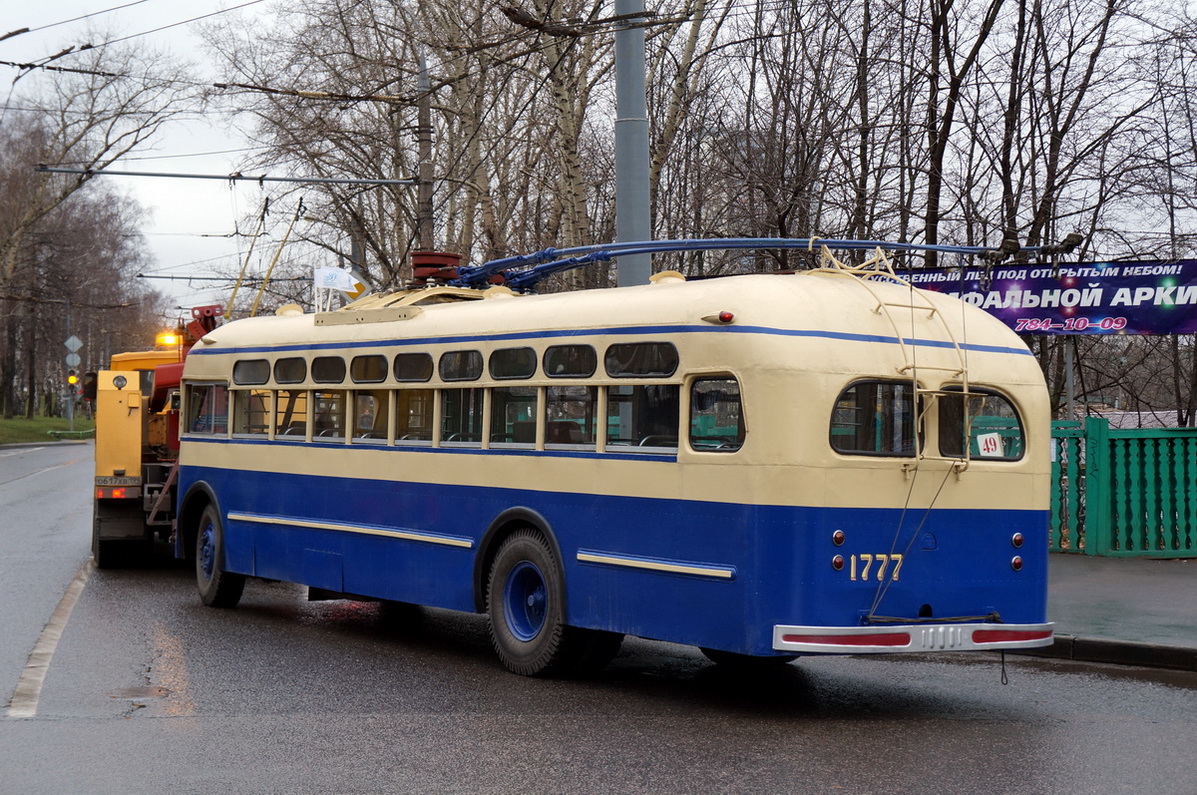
pixel 1124 492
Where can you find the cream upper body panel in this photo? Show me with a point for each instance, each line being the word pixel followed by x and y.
pixel 816 310
pixel 795 342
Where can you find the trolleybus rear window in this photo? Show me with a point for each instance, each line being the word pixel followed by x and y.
pixel 874 418
pixel 989 423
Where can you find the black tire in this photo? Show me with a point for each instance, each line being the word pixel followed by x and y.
pixel 217 587
pixel 525 598
pixel 107 554
pixel 117 553
pixel 747 662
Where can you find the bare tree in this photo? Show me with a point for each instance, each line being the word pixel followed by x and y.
pixel 107 101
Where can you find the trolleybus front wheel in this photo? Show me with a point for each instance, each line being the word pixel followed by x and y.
pixel 217 587
pixel 526 600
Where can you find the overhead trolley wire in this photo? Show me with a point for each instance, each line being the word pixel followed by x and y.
pixel 72 19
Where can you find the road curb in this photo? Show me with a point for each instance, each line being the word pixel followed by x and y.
pixel 1117 652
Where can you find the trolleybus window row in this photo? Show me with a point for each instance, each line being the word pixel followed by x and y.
pixel 870 417
pixel 634 416
pixel 643 417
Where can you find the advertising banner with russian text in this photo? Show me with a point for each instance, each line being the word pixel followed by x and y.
pixel 1079 298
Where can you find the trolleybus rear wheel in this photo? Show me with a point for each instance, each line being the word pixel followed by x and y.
pixel 217 587
pixel 525 598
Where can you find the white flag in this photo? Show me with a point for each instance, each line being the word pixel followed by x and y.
pixel 333 279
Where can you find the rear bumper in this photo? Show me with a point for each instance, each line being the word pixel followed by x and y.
pixel 910 638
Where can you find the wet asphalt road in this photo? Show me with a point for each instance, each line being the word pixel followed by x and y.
pixel 148 691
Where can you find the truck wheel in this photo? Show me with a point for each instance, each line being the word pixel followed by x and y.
pixel 116 553
pixel 107 554
pixel 217 587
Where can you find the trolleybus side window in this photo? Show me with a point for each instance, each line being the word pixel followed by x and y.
pixel 413 420
pixel 508 363
pixel 291 370
pixel 631 359
pixel 208 408
pixel 570 361
pixel 413 366
pixel 291 414
pixel 513 414
pixel 461 415
pixel 251 411
pixel 569 415
pixel 328 369
pixel 642 415
pixel 251 372
pixel 874 418
pixel 370 416
pixel 370 369
pixel 328 415
pixel 716 420
pixel 986 419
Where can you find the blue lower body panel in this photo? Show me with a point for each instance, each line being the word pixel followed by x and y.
pixel 713 574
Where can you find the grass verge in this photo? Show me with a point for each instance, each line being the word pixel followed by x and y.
pixel 19 429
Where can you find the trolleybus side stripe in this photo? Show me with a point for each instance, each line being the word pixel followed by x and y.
pixel 410 535
pixel 657 564
pixel 630 330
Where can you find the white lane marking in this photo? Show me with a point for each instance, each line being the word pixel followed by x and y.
pixel 21 451
pixel 40 471
pixel 28 691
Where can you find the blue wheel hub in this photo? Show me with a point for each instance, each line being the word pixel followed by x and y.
pixel 524 601
pixel 207 550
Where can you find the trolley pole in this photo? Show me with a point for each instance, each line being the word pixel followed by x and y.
pixel 632 209
pixel 424 176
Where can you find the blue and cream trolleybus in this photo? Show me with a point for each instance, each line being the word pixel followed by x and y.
pixel 764 466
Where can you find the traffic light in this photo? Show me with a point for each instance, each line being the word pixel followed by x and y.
pixel 89 386
pixel 72 377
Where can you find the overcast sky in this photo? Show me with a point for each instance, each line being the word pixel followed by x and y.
pixel 182 211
